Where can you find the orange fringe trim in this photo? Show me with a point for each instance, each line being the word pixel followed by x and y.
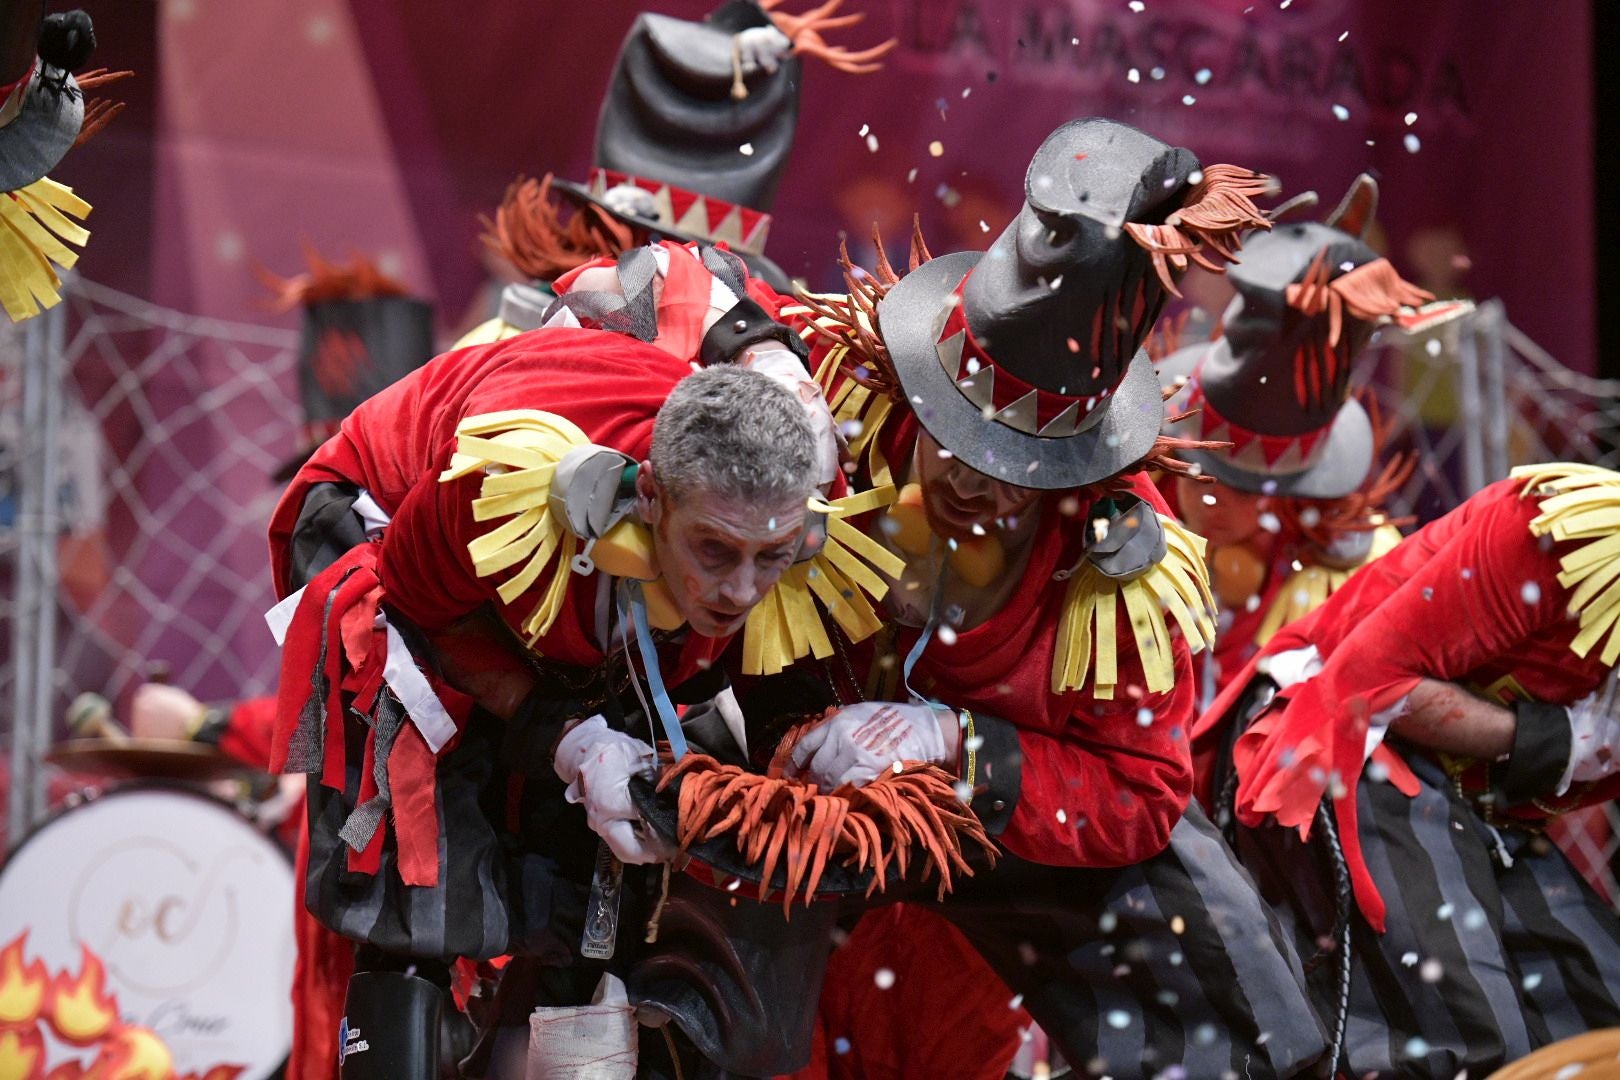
pixel 535 234
pixel 805 32
pixel 358 279
pixel 98 112
pixel 873 827
pixel 1368 292
pixel 1207 228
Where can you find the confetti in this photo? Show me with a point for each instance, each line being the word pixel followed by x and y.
pixel 865 128
pixel 1137 6
pixel 1062 818
pixel 1532 980
pixel 966 90
pixel 1431 970
pixel 1144 717
pixel 746 149
pixel 1017 1002
pixel 1107 921
pixel 1341 112
pixel 872 143
pixel 1188 99
pixel 1204 1034
pixel 1412 144
pixel 947 636
pixel 1416 1047
pixel 1409 959
pixel 936 149
pixel 841 1045
pixel 883 978
pixel 1270 522
pixel 1530 592
pixel 1119 1019
pixel 1432 346
pixel 911 177
pixel 1203 76
pixel 1444 911
pixel 1178 925
pixel 1411 118
pixel 1156 73
pixel 1133 75
pixel 983 226
pixel 1344 35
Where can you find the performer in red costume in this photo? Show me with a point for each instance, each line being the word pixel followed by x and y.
pixel 1296 505
pixel 1434 716
pixel 536 520
pixel 1024 641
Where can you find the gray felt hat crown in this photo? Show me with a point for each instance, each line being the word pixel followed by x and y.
pixel 39 121
pixel 1277 383
pixel 1026 361
pixel 708 161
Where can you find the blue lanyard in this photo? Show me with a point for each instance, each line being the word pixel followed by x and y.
pixel 664 708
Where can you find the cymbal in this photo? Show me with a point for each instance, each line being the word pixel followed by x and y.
pixel 164 759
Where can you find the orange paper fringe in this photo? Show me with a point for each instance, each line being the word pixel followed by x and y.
pixel 534 231
pixel 1207 227
pixel 772 819
pixel 1372 291
pixel 805 32
pixel 359 279
pixel 98 111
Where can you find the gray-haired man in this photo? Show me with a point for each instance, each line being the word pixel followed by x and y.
pixel 566 524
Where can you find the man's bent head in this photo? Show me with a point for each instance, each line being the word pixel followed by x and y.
pixel 732 466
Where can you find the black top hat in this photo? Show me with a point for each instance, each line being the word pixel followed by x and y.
pixel 41 107
pixel 1026 361
pixel 1277 383
pixel 351 350
pixel 708 161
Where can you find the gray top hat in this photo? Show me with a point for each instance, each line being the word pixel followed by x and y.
pixel 41 107
pixel 1026 361
pixel 1277 384
pixel 672 128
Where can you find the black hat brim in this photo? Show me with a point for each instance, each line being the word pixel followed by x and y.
pixel 660 810
pixel 1344 462
pixel 758 265
pixel 43 131
pixel 909 318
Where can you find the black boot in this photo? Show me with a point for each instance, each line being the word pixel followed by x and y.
pixel 390 1028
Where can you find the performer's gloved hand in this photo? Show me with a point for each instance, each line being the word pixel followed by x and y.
pixel 861 740
pixel 1594 734
pixel 762 47
pixel 597 763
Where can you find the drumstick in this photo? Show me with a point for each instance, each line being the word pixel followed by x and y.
pixel 89 716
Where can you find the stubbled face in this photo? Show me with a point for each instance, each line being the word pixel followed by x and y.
pixel 1222 515
pixel 718 557
pixel 956 498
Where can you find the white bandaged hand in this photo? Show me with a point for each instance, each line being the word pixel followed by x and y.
pixel 861 740
pixel 597 763
pixel 1594 734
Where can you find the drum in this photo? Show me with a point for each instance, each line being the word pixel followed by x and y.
pixel 188 906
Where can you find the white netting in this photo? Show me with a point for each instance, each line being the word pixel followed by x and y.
pixel 168 428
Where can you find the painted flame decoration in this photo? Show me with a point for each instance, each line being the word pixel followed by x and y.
pixel 22 1053
pixel 78 1008
pixel 22 986
pixel 81 1011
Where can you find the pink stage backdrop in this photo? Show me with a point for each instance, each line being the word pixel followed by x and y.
pixel 388 127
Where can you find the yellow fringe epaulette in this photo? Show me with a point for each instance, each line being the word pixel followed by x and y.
pixel 1179 583
pixel 519 450
pixel 36 227
pixel 844 576
pixel 858 412
pixel 1309 587
pixel 1582 502
pixel 488 332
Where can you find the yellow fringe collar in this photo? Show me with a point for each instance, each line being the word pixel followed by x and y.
pixel 1179 583
pixel 36 227
pixel 1308 588
pixel 1582 502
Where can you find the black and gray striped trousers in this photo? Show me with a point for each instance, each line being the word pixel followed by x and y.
pixel 1495 945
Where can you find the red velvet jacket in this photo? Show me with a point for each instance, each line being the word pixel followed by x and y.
pixel 1473 598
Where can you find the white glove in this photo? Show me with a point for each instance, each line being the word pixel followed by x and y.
pixel 762 47
pixel 862 740
pixel 1594 734
pixel 597 763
